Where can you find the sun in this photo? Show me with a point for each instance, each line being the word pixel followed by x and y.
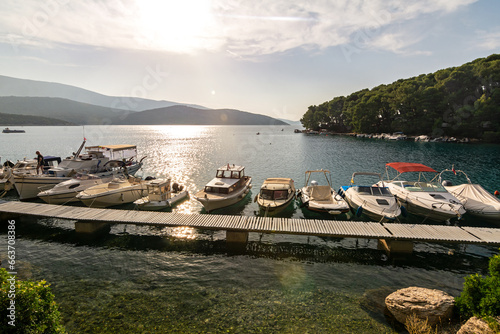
pixel 180 26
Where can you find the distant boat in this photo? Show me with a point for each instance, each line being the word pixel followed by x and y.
pixel 7 130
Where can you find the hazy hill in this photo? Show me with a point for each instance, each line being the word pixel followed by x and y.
pixel 21 120
pixel 192 116
pixel 83 113
pixel 62 109
pixel 23 87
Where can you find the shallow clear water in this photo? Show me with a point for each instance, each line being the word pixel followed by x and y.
pixel 139 279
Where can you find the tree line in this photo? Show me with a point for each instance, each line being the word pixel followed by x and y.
pixel 459 101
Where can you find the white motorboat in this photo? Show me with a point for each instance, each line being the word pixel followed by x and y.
pixel 161 194
pixel 275 195
pixel 93 161
pixel 375 201
pixel 229 186
pixel 120 190
pixel 321 198
pixel 476 200
pixel 66 191
pixel 422 197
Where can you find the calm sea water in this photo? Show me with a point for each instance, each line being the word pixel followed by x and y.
pixel 155 280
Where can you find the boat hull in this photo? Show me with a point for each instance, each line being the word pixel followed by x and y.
pixel 145 204
pixel 268 207
pixel 368 206
pixel 28 186
pixel 425 205
pixel 114 197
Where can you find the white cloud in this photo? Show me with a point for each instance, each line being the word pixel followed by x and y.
pixel 488 40
pixel 239 27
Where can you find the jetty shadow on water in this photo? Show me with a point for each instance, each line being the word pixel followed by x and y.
pixel 436 256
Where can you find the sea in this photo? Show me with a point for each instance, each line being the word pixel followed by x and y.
pixel 182 280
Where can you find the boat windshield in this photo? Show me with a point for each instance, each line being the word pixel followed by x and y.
pixel 422 186
pixel 268 194
pixel 376 191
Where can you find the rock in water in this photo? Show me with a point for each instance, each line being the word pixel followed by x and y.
pixel 475 326
pixel 430 304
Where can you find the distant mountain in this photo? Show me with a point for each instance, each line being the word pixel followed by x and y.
pixel 62 109
pixel 84 114
pixel 21 120
pixel 191 116
pixel 31 88
pixel 289 122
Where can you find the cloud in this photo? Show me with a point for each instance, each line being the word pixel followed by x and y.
pixel 237 27
pixel 488 40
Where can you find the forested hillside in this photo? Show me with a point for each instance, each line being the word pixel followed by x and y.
pixel 460 101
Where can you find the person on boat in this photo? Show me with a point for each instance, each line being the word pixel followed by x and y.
pixel 39 164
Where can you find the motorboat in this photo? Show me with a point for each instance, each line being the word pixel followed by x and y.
pixel 375 201
pixel 120 190
pixel 93 161
pixel 275 194
pixel 66 191
pixel 229 186
pixel 7 130
pixel 161 194
pixel 421 196
pixel 23 167
pixel 321 198
pixel 476 200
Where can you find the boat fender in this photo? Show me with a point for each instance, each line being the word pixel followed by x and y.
pixel 255 199
pixel 359 211
pixel 496 193
pixel 404 212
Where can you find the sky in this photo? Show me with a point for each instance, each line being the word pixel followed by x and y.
pixel 274 57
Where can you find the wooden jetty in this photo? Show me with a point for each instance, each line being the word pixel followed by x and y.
pixel 393 236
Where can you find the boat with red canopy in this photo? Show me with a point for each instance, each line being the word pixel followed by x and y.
pixel 420 194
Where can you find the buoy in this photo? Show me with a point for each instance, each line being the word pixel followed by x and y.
pixel 359 211
pixel 497 193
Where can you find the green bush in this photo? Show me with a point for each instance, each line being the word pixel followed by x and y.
pixel 35 308
pixel 481 295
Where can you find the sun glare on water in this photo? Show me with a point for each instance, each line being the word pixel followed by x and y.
pixel 179 26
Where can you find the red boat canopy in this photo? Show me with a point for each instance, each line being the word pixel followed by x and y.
pixel 404 167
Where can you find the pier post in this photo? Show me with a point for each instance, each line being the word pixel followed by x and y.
pixel 91 227
pixel 240 237
pixel 396 246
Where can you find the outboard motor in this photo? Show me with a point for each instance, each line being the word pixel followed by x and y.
pixel 447 183
pixel 314 183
